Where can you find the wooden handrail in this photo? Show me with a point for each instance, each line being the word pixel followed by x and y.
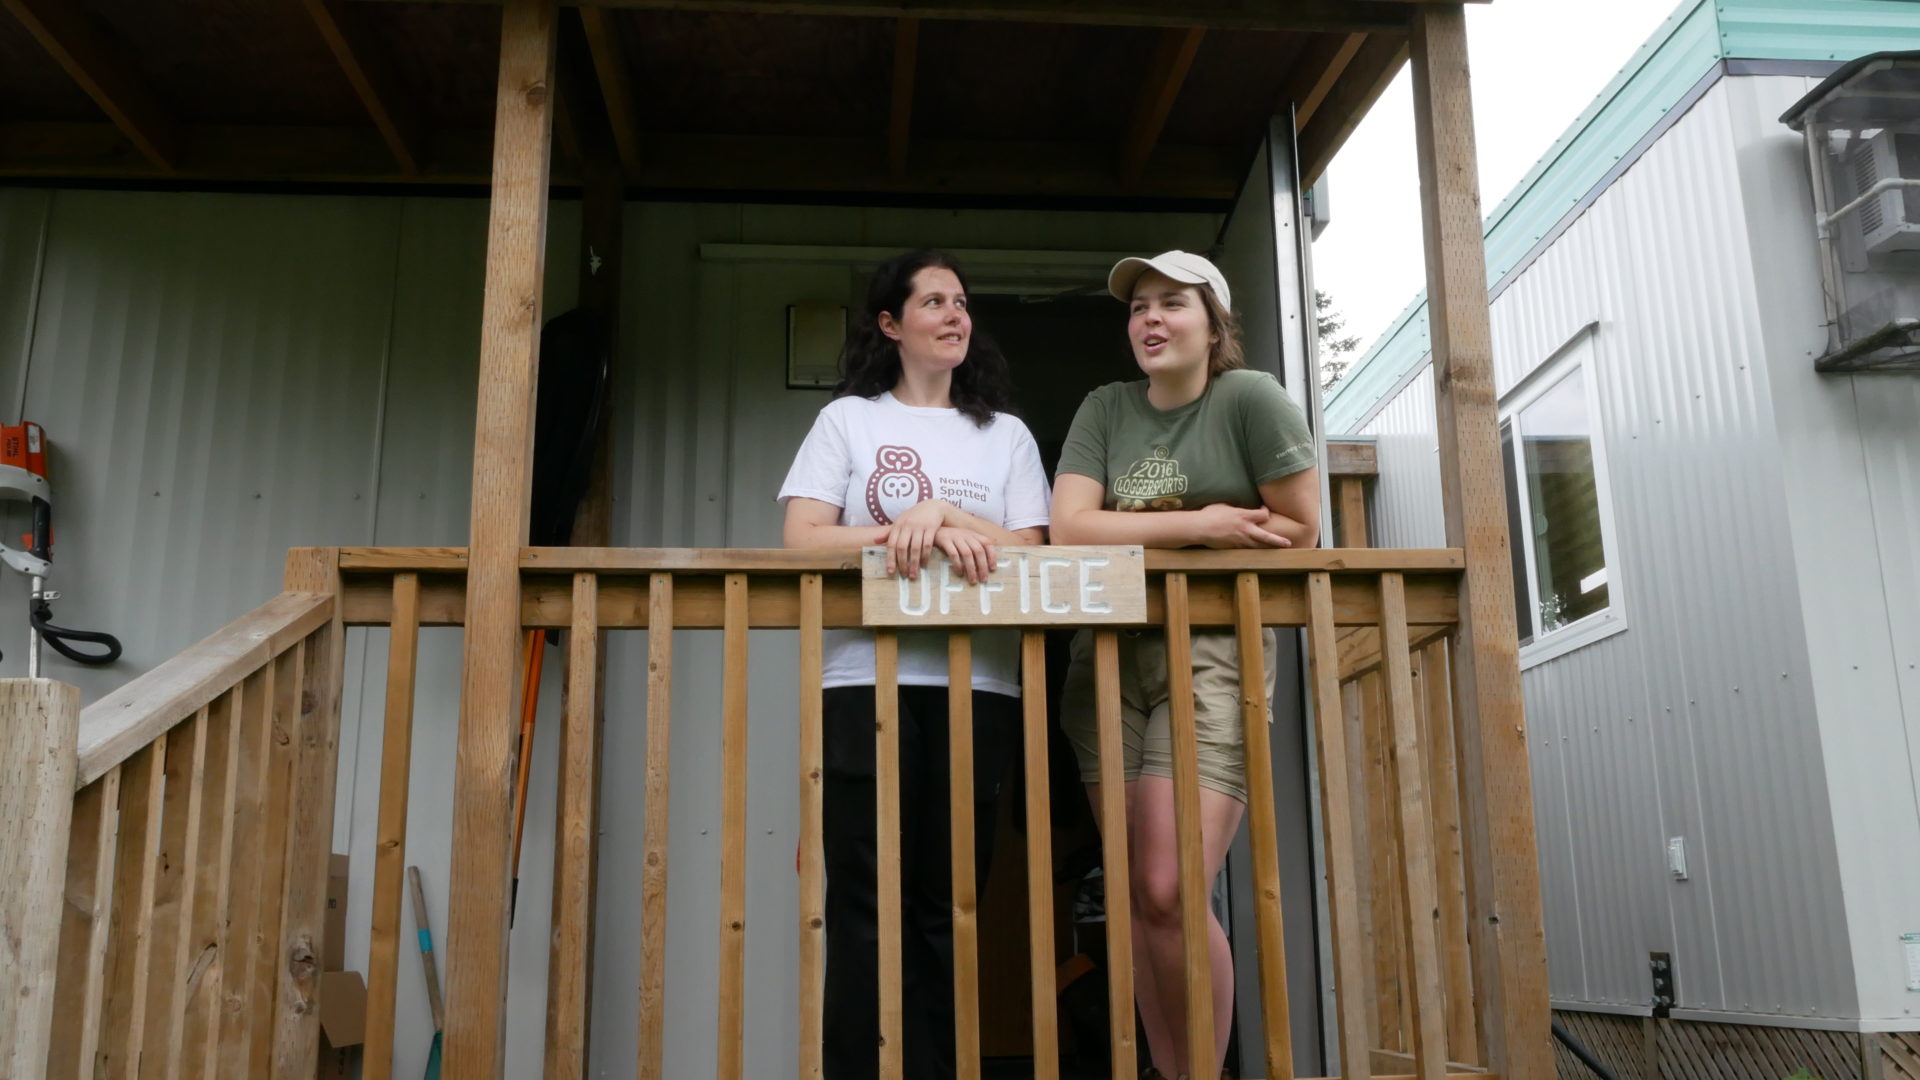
pixel 117 726
pixel 780 560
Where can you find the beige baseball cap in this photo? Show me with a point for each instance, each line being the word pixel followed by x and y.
pixel 1182 266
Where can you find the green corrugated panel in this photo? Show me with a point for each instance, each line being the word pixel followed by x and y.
pixel 1685 48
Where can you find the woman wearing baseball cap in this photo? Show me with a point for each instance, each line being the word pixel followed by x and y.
pixel 1200 453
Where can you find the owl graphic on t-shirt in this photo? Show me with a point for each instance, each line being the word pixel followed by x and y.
pixel 897 485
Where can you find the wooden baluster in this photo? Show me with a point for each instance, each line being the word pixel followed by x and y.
pixel 123 1035
pixel 1113 845
pixel 91 857
pixel 207 947
pixel 1444 797
pixel 570 953
pixel 1383 872
pixel 813 871
pixel 886 777
pixel 1262 831
pixel 390 844
pixel 1336 814
pixel 966 950
pixel 173 895
pixel 258 863
pixel 1419 905
pixel 290 689
pixel 1186 824
pixel 653 877
pixel 733 831
pixel 1046 1036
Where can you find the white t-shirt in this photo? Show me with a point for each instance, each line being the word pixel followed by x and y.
pixel 874 458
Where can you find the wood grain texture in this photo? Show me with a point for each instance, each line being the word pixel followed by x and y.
pixel 212 907
pixel 960 796
pixel 129 718
pixel 653 874
pixel 258 862
pixel 1420 904
pixel 309 835
pixel 390 841
pixel 571 945
pixel 1433 695
pixel 1114 838
pixel 78 989
pixel 370 72
pixel 1033 701
pixel 1510 964
pixel 733 835
pixel 886 787
pixel 1332 754
pixel 642 561
pixel 1263 834
pixel 123 1036
pixel 179 881
pixel 813 869
pixel 1356 456
pixel 39 727
pixel 1350 498
pixel 1314 76
pixel 502 473
pixel 1186 818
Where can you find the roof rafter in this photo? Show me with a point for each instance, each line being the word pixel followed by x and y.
pixel 1314 76
pixel 1360 16
pixel 1166 73
pixel 104 73
pixel 616 84
pixel 372 80
pixel 906 57
pixel 1364 80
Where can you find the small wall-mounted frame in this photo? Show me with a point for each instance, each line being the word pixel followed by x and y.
pixel 815 332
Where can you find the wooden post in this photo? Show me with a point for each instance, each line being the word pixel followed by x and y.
pixel 39 726
pixel 1510 967
pixel 309 831
pixel 502 476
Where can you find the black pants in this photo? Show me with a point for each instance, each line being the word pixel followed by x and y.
pixel 926 871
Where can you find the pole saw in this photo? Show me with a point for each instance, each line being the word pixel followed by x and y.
pixel 23 475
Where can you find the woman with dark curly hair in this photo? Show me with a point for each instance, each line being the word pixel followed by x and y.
pixel 916 451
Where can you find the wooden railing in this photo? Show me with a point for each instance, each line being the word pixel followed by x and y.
pixel 200 808
pixel 200 827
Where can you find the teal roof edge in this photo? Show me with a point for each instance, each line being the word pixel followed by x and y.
pixel 1698 35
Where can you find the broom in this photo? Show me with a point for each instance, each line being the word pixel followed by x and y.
pixel 431 970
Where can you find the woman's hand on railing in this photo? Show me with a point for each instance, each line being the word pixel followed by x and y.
pixel 971 552
pixel 1225 526
pixel 912 535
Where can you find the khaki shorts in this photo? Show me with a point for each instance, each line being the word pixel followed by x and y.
pixel 1146 733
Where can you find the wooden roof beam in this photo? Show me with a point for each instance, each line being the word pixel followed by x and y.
pixel 1355 16
pixel 371 78
pixel 616 84
pixel 91 61
pixel 906 57
pixel 1166 73
pixel 1314 76
pixel 1348 101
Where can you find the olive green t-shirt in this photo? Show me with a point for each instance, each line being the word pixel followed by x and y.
pixel 1242 432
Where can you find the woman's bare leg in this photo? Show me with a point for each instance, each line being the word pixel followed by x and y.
pixel 1145 989
pixel 1156 896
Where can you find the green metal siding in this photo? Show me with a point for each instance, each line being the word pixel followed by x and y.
pixel 1697 36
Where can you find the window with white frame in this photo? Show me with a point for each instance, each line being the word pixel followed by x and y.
pixel 1559 513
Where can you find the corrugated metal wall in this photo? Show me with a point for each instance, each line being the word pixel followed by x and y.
pixel 1699 720
pixel 301 370
pixel 1850 450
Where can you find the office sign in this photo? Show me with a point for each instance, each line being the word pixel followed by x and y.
pixel 1032 586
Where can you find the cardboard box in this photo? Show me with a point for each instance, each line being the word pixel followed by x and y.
pixel 333 949
pixel 343 1008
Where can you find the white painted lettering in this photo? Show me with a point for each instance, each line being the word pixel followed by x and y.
pixel 1026 589
pixel 987 587
pixel 1047 603
pixel 948 587
pixel 1088 605
pixel 926 599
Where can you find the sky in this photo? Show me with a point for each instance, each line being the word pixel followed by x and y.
pixel 1537 64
